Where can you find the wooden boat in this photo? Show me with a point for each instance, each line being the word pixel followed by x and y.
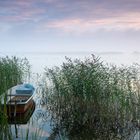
pixel 19 98
pixel 22 118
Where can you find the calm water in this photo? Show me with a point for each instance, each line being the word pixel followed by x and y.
pixel 40 60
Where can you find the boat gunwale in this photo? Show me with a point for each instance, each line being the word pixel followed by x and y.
pixel 9 93
pixel 20 103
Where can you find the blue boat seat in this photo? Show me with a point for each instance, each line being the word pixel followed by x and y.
pixel 25 89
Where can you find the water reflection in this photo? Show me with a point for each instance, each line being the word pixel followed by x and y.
pixel 38 122
pixel 15 120
pixel 34 123
pixel 64 125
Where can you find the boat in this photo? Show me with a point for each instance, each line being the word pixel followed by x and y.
pixel 22 118
pixel 19 99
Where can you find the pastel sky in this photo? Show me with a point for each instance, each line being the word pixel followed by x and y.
pixel 69 25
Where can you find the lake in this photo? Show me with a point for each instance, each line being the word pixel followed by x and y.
pixel 40 60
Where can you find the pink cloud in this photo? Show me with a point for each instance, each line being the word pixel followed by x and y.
pixel 23 3
pixel 65 17
pixel 21 10
pixel 18 15
pixel 79 25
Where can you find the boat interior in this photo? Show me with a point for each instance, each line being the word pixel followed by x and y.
pixel 18 99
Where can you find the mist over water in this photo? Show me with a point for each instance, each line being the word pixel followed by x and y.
pixel 40 60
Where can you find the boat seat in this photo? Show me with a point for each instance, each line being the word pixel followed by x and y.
pixel 24 90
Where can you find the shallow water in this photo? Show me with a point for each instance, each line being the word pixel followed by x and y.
pixel 38 123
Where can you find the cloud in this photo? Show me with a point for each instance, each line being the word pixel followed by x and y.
pixel 75 16
pixel 62 9
pixel 81 25
pixel 20 11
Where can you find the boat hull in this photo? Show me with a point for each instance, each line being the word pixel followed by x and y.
pixel 18 108
pixel 22 118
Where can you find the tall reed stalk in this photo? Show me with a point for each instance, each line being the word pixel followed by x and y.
pixel 91 100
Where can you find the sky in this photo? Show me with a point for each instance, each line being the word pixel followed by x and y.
pixel 69 26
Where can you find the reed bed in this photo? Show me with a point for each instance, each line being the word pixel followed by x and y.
pixel 91 100
pixel 13 71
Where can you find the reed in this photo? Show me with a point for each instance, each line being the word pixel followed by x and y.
pixel 89 99
pixel 12 72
